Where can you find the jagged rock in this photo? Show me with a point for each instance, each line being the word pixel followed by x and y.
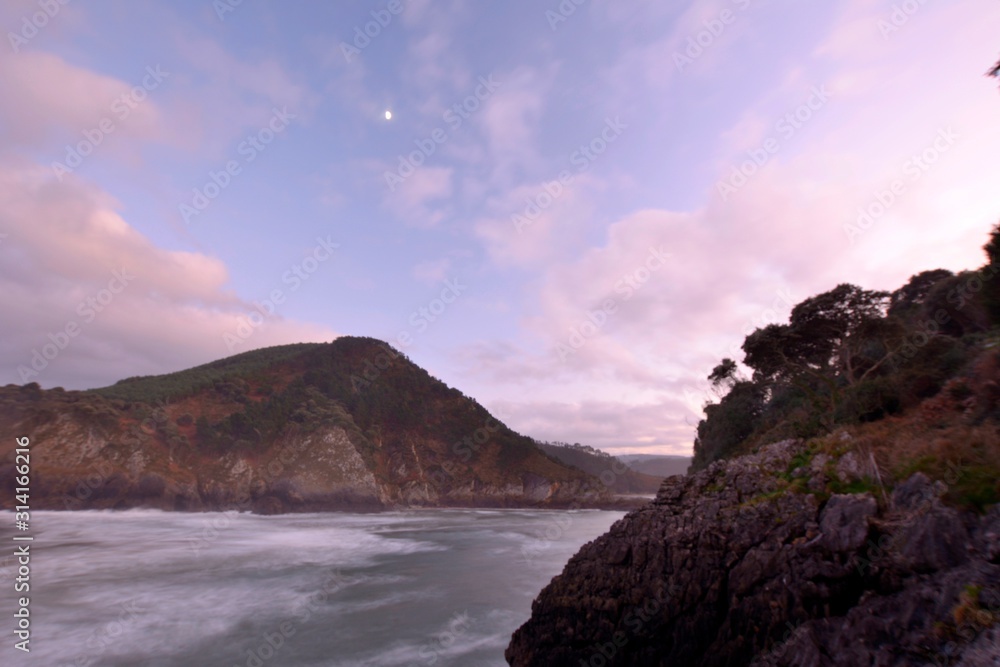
pixel 984 651
pixel 991 535
pixel 936 540
pixel 915 492
pixel 905 628
pixel 844 522
pixel 727 568
pixel 850 468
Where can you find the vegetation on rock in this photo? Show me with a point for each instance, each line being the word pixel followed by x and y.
pixel 921 360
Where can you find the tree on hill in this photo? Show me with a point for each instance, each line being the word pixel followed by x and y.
pixel 907 302
pixel 828 333
pixel 724 376
pixel 835 339
pixel 851 355
pixel 728 423
pixel 991 286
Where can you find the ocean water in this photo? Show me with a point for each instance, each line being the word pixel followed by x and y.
pixel 162 589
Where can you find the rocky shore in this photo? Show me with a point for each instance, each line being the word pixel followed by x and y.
pixel 787 557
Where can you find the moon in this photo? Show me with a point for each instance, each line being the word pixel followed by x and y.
pixel 388 115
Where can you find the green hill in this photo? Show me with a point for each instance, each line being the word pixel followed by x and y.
pixel 352 423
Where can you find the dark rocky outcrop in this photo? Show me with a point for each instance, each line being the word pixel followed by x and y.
pixel 754 561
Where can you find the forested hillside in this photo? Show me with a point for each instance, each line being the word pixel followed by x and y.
pixel 914 370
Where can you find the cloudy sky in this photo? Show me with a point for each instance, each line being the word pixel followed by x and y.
pixel 574 212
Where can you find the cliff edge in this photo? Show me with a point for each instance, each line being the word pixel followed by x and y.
pixel 793 556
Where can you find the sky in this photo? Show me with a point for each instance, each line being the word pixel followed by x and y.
pixel 572 211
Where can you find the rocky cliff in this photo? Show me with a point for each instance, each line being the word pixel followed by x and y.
pixel 793 556
pixel 352 424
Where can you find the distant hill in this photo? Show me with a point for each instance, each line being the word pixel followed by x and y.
pixel 657 465
pixel 350 424
pixel 612 471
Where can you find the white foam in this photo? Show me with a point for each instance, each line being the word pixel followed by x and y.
pixel 199 589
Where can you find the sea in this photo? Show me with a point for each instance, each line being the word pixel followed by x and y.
pixel 164 589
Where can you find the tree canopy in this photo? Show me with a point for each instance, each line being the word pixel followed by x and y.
pixel 850 355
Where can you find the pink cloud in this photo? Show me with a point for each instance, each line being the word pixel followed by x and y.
pixel 534 223
pixel 48 102
pixel 73 264
pixel 607 425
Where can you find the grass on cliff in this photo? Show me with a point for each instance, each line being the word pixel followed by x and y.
pixel 173 386
pixel 966 457
pixel 951 449
pixel 912 376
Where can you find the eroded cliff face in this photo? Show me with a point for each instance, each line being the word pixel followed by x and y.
pixel 288 436
pixel 754 561
pixel 76 465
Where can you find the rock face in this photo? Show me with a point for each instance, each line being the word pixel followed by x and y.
pixel 754 562
pixel 350 425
